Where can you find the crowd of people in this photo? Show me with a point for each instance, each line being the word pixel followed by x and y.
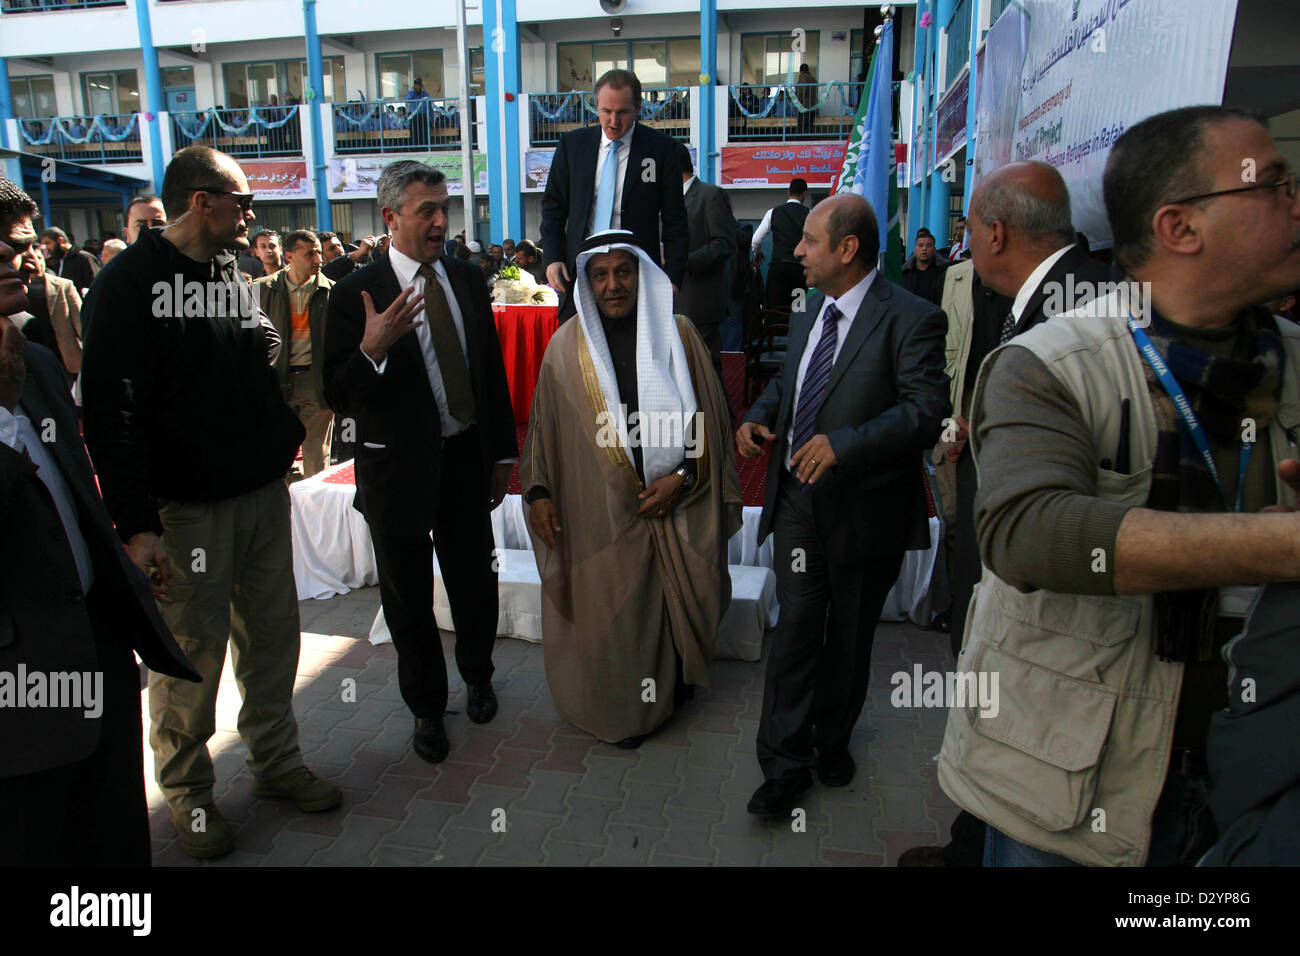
pixel 1123 549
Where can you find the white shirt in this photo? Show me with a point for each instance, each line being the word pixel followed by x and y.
pixel 686 186
pixel 848 304
pixel 1034 281
pixel 765 226
pixel 17 432
pixel 407 270
pixel 616 217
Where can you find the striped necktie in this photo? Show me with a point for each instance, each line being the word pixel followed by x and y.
pixel 816 380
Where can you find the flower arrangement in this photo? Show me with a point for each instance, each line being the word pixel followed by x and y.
pixel 515 286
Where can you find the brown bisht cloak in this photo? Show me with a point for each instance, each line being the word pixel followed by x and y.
pixel 622 596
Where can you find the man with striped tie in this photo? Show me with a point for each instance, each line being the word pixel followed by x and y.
pixel 861 395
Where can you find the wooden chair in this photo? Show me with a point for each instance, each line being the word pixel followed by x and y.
pixel 766 335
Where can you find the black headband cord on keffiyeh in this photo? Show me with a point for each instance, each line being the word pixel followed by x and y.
pixel 1198 397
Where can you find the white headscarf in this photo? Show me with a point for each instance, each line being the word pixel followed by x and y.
pixel 663 377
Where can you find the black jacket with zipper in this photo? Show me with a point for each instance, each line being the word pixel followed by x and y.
pixel 183 407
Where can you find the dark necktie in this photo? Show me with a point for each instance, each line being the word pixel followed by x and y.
pixel 816 380
pixel 1008 328
pixel 446 348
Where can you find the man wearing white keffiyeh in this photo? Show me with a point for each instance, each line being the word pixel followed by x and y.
pixel 633 496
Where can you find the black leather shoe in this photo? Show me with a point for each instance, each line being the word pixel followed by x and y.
pixel 835 769
pixel 482 705
pixel 777 798
pixel 431 739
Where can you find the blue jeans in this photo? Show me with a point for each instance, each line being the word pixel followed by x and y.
pixel 1182 831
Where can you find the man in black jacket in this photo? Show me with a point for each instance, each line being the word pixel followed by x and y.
pixel 67 261
pixel 72 609
pixel 923 272
pixel 619 175
pixel 704 296
pixel 192 438
pixel 436 442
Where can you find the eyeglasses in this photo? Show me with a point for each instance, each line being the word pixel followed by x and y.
pixel 1288 183
pixel 245 200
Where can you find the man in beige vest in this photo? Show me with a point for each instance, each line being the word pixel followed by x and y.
pixel 1115 570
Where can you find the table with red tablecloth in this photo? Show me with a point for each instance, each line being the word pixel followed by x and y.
pixel 524 331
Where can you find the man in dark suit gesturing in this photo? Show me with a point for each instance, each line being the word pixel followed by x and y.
pixel 436 441
pixel 619 175
pixel 705 294
pixel 72 608
pixel 861 395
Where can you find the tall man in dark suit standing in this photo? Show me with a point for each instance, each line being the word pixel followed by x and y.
pixel 1023 263
pixel 71 776
pixel 619 175
pixel 705 292
pixel 861 395
pixel 435 437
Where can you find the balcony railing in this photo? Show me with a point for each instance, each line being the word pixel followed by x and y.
pixel 551 114
pixel 256 131
pixel 796 111
pixel 106 138
pixel 47 6
pixel 400 126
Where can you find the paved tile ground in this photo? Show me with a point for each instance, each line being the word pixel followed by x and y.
pixel 528 789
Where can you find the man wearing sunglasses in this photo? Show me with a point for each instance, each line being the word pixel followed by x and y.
pixel 187 425
pixel 1126 452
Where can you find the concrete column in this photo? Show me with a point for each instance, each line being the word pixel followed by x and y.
pixel 153 89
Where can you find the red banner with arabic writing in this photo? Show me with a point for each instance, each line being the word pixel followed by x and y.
pixel 777 164
pixel 278 179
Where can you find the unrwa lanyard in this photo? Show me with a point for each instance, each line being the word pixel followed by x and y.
pixel 1184 408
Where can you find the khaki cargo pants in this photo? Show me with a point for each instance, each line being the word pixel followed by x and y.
pixel 232 568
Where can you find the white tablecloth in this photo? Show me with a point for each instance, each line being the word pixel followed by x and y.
pixel 332 554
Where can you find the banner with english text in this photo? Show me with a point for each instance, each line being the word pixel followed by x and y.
pixel 1060 81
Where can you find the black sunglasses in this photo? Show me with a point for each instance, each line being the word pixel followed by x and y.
pixel 1287 182
pixel 245 200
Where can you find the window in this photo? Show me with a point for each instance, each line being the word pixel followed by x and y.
pixel 332 75
pixel 110 93
pixel 766 58
pixel 664 62
pixel 399 71
pixel 253 84
pixel 33 97
pixel 178 78
pixel 859 57
pixel 477 83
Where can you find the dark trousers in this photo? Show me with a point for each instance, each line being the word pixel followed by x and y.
pixel 463 538
pixel 712 336
pixel 964 568
pixel 783 277
pixel 820 659
pixel 92 812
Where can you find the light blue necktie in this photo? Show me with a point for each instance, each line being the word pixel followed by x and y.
pixel 605 201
